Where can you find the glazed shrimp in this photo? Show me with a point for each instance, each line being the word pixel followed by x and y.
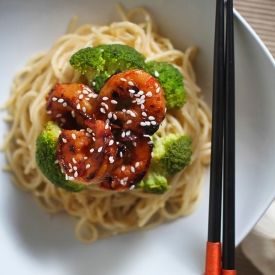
pixel 69 105
pixel 135 164
pixel 133 100
pixel 87 155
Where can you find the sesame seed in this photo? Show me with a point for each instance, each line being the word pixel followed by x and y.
pixel 88 166
pixel 84 109
pixel 79 92
pixel 75 168
pixel 92 150
pixel 86 92
pixel 128 133
pixel 149 94
pixel 75 174
pixel 137 164
pixel 99 149
pixel 85 158
pixel 54 99
pixel 63 120
pixel 144 113
pixel 111 159
pixel 78 106
pixel 71 178
pixel 151 118
pixel 64 140
pixel 70 165
pixel 65 104
pixel 152 154
pixel 147 123
pixel 113 101
pixel 140 92
pixel 129 121
pixel 122 79
pixel 60 100
pixel 81 96
pixel 123 134
pixel 131 83
pixel 110 115
pixel 121 154
pixel 94 83
pixel 133 169
pixel 132 187
pixel 158 90
pixel 150 142
pixel 73 113
pixel 142 123
pixel 142 107
pixel 114 117
pixel 156 74
pixel 123 110
pixel 134 143
pixel 49 112
pixel 102 110
pixel 111 142
pixel 105 98
pixel 74 161
pixel 153 122
pixel 123 168
pixel 131 91
pixel 59 115
pixel 122 182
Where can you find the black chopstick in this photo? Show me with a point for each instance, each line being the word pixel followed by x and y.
pixel 222 168
pixel 228 250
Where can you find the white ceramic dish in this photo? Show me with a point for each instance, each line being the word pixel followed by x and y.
pixel 32 243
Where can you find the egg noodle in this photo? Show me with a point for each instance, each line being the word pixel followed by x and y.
pixel 101 213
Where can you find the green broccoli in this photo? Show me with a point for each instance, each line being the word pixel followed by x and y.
pixel 171 81
pixel 100 62
pixel 171 154
pixel 46 145
pixel 154 183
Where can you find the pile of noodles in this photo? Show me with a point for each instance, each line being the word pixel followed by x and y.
pixel 101 213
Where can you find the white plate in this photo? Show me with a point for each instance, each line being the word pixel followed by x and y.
pixel 32 243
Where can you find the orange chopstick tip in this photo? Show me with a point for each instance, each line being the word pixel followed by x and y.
pixel 213 259
pixel 228 272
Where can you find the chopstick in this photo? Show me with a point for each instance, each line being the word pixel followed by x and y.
pixel 222 168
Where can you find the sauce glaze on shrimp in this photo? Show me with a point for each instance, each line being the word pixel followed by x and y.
pixel 133 100
pixel 70 104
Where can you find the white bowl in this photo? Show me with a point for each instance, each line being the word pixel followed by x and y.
pixel 31 243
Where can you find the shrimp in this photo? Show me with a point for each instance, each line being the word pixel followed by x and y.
pixel 135 165
pixel 133 100
pixel 69 105
pixel 89 154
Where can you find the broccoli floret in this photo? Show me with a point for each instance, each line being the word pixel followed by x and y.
pixel 100 62
pixel 171 154
pixel 154 183
pixel 171 81
pixel 46 145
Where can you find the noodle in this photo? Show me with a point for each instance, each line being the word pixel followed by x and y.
pixel 101 213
